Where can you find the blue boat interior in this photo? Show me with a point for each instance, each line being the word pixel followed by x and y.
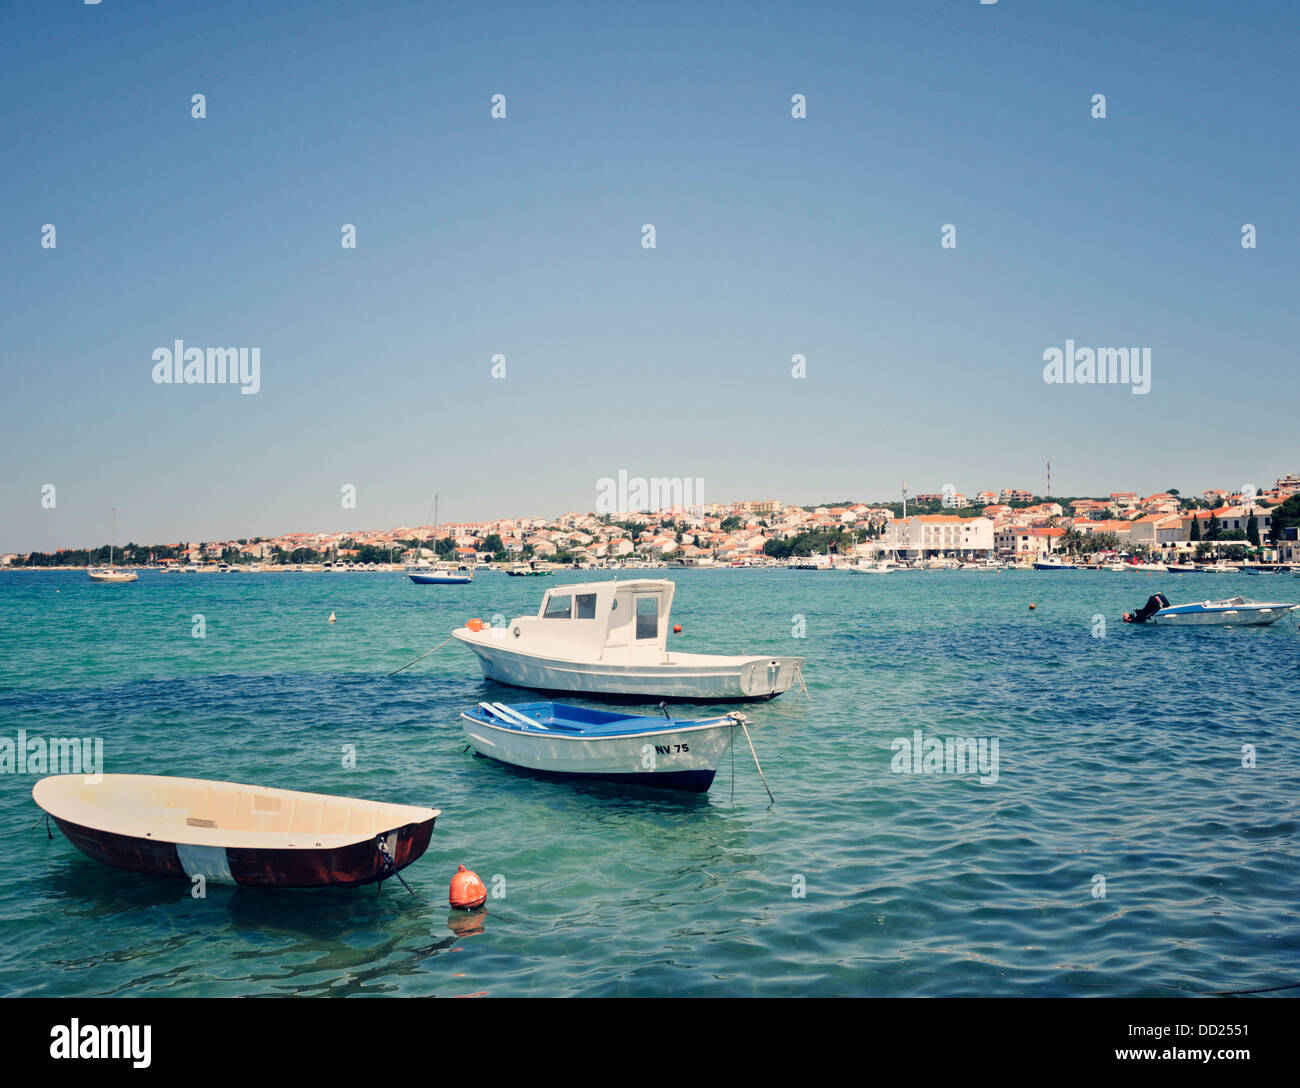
pixel 587 721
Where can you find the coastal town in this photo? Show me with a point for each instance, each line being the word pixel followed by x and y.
pixel 1010 526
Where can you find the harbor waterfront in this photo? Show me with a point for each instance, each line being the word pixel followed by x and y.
pixel 1137 835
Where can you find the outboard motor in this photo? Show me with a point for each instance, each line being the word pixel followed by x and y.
pixel 1154 604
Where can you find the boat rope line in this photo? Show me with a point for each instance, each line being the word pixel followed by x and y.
pixel 390 866
pixel 46 817
pixel 741 720
pixel 733 762
pixel 423 656
pixel 798 675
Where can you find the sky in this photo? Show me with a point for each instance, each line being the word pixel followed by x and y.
pixel 522 237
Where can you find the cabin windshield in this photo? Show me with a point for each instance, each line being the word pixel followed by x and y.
pixel 558 608
pixel 585 606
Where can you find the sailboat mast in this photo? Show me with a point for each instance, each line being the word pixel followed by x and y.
pixel 112 539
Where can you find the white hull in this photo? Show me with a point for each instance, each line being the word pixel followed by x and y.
pixel 695 677
pixel 113 576
pixel 1248 615
pixel 690 750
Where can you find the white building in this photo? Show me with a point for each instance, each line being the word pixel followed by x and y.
pixel 931 535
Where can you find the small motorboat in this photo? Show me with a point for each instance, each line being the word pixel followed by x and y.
pixel 611 639
pixel 582 743
pixel 1232 612
pixel 519 570
pixel 1053 563
pixel 879 566
pixel 230 833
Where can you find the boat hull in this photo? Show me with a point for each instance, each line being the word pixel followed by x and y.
pixel 684 758
pixel 346 866
pixel 440 579
pixel 699 681
pixel 1238 616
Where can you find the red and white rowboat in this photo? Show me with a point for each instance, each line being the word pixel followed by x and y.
pixel 230 833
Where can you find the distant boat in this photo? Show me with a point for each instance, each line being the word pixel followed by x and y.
pixel 878 566
pixel 1053 563
pixel 438 574
pixel 230 833
pixel 610 639
pixel 580 743
pixel 110 573
pixel 1232 612
pixel 519 570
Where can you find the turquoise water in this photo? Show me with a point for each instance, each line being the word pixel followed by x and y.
pixel 1118 756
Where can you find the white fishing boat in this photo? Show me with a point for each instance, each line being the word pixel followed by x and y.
pixel 1232 612
pixel 558 740
pixel 610 639
pixel 110 573
pixel 1053 562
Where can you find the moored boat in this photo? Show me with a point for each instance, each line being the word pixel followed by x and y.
pixel 610 639
pixel 110 573
pixel 557 739
pixel 1053 563
pixel 231 833
pixel 1232 612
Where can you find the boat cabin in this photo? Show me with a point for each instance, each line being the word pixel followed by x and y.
pixel 593 618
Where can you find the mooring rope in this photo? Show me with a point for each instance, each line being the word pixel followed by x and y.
pixel 740 720
pixel 390 866
pixel 423 656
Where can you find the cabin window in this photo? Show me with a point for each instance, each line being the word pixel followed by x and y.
pixel 558 608
pixel 647 617
pixel 586 609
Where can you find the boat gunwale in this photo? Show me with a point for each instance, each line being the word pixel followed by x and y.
pixel 696 725
pixel 336 840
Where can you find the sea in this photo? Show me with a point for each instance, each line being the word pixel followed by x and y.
pixel 1130 828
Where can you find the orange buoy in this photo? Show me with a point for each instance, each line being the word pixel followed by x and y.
pixel 474 625
pixel 677 628
pixel 1032 606
pixel 467 891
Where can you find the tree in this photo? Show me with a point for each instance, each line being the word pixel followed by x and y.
pixel 1252 530
pixel 1195 534
pixel 1284 517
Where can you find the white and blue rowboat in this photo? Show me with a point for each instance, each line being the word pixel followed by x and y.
pixel 1232 612
pixel 577 742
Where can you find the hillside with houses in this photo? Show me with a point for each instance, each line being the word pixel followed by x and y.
pixel 1009 524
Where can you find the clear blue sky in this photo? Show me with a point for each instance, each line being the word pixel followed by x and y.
pixel 775 236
